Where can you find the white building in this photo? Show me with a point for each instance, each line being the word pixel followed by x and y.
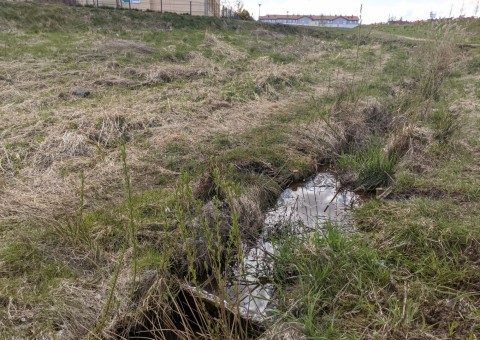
pixel 312 20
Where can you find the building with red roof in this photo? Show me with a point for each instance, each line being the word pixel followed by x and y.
pixel 347 21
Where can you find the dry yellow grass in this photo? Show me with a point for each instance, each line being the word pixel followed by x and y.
pixel 270 103
pixel 49 134
pixel 49 137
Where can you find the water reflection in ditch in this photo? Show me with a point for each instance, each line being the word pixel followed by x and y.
pixel 304 208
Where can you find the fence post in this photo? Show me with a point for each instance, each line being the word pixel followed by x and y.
pixel 190 8
pixel 161 6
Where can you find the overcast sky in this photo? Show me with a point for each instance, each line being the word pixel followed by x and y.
pixel 373 10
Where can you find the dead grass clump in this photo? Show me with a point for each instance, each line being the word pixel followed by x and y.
pixel 52 193
pixel 120 46
pixel 259 32
pixel 153 309
pixel 418 140
pixel 116 81
pixel 220 49
pixel 59 148
pixel 78 302
pixel 306 46
pixel 199 61
pixel 437 59
pixel 249 206
pixel 119 289
pixel 407 139
pixel 46 196
pixel 216 217
pixel 77 307
pixel 109 130
pixel 174 73
pixel 349 126
pixel 323 140
pixel 436 73
pixel 270 81
pixel 133 78
pixel 446 123
pixel 10 159
pixel 356 122
pixel 261 63
pixel 377 117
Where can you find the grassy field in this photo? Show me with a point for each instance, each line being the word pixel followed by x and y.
pixel 111 203
pixel 465 31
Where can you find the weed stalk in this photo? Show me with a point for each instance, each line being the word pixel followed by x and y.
pixel 132 229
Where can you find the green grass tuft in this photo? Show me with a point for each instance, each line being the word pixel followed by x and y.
pixel 375 168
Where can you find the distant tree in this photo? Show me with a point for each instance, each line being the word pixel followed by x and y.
pixel 245 15
pixel 476 9
pixel 239 6
pixel 242 13
pixel 392 18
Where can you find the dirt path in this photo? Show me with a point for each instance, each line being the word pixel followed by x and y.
pixel 412 38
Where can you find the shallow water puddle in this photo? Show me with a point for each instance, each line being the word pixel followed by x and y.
pixel 299 211
pixel 305 208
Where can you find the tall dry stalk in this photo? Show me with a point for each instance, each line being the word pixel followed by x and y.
pixel 132 229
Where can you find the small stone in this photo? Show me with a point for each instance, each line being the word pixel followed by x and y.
pixel 81 93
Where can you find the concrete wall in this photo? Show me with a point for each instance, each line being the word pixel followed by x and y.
pixel 197 7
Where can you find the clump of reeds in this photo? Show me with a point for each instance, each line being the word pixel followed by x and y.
pixel 374 166
pixel 437 58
